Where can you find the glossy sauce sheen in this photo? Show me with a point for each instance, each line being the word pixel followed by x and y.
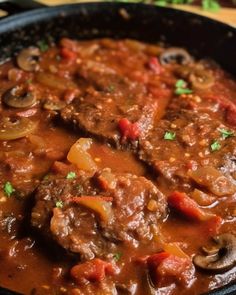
pixel 125 98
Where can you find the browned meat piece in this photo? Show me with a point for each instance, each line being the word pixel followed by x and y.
pixel 194 139
pixel 91 214
pixel 109 98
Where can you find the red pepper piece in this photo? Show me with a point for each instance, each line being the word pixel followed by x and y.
pixel 128 130
pixel 93 271
pixel 187 206
pixel 154 65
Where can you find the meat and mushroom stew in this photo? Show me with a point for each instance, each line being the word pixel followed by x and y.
pixel 118 170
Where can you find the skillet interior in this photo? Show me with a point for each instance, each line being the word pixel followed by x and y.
pixel 202 36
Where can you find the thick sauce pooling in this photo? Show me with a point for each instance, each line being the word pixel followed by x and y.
pixel 118 170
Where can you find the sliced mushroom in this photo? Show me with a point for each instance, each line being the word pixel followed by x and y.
pixel 13 128
pixel 221 258
pixel 19 97
pixel 201 79
pixel 27 59
pixel 175 55
pixel 151 290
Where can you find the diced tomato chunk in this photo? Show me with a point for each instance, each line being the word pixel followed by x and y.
pixel 154 260
pixel 187 206
pixel 68 54
pixel 154 65
pixel 69 44
pixel 93 271
pixel 166 268
pixel 128 130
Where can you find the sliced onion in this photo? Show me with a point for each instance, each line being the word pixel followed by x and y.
pixel 13 128
pixel 96 204
pixel 214 180
pixel 78 155
pixel 54 81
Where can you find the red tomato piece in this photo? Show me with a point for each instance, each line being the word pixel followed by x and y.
pixel 93 271
pixel 128 130
pixel 154 65
pixel 187 206
pixel 68 54
pixel 69 44
pixel 166 268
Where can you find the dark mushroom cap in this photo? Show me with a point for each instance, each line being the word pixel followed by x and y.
pixel 221 258
pixel 19 97
pixel 175 55
pixel 27 59
pixel 201 79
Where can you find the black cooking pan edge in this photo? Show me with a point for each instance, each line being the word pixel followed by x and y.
pixel 202 36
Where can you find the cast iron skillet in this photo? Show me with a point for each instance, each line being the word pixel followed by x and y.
pixel 201 36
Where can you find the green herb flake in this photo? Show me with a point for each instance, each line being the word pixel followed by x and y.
pixel 59 204
pixel 117 256
pixel 169 135
pixel 8 189
pixel 43 46
pixel 71 175
pixel 215 146
pixel 226 133
pixel 180 88
pixel 180 91
pixel 180 84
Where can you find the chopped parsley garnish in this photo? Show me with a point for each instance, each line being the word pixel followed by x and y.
pixel 117 256
pixel 59 204
pixel 8 189
pixel 169 135
pixel 71 175
pixel 215 146
pixel 43 46
pixel 180 88
pixel 226 133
